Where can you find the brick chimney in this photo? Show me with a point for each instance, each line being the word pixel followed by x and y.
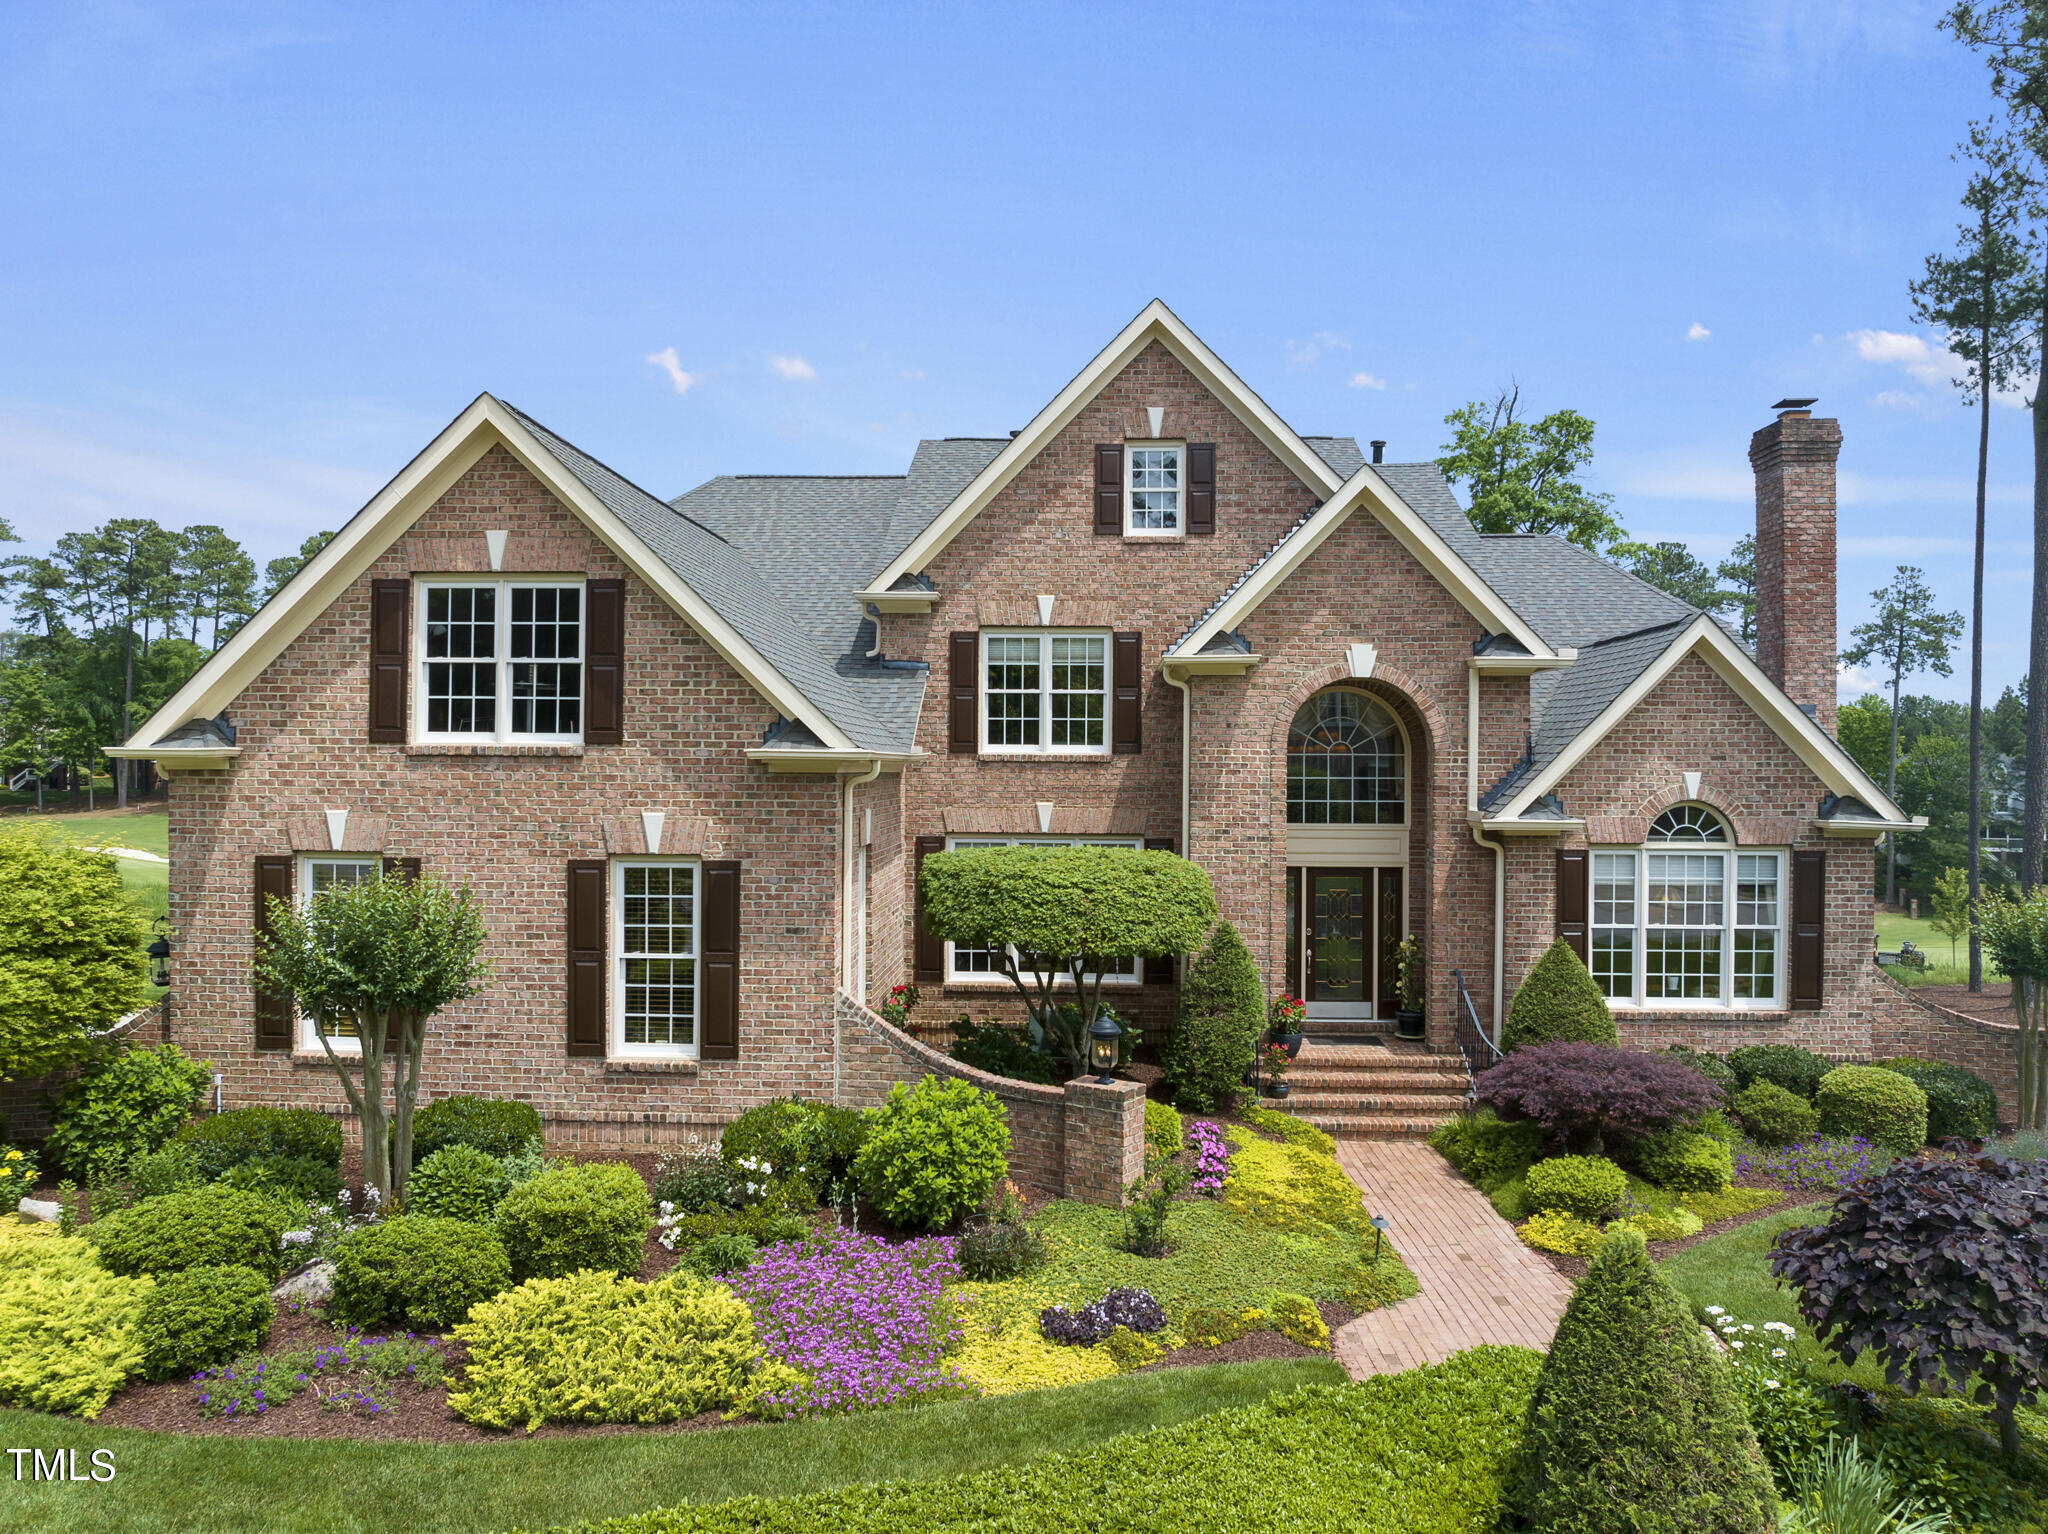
pixel 1794 459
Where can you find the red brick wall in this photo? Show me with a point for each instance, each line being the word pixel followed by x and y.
pixel 1794 458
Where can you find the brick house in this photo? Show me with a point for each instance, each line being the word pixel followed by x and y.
pixel 691 752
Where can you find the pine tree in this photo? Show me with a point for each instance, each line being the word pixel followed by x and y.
pixel 1558 1001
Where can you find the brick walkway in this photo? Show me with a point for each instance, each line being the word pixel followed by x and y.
pixel 1479 1284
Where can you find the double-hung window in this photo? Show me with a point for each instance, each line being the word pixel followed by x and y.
pixel 965 963
pixel 654 958
pixel 315 874
pixel 501 661
pixel 1687 920
pixel 1153 488
pixel 1045 691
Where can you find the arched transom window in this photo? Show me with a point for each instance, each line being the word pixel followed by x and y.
pixel 1346 763
pixel 1687 919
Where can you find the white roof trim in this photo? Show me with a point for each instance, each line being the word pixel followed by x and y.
pixel 1829 762
pixel 1155 322
pixel 394 509
pixel 1367 488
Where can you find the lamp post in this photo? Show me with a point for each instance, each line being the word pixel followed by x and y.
pixel 1103 1034
pixel 1379 1229
pixel 159 952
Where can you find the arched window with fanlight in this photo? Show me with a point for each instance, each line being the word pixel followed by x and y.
pixel 1347 763
pixel 1689 919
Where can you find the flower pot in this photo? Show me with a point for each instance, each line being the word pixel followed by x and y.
pixel 1408 1025
pixel 1291 1042
pixel 1276 1089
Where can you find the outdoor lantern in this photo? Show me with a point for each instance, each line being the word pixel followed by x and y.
pixel 159 952
pixel 1379 1229
pixel 1103 1034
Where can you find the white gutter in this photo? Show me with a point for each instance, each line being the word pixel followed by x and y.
pixel 1498 849
pixel 1187 711
pixel 848 916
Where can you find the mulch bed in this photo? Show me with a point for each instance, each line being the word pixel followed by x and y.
pixel 1255 1345
pixel 1574 1268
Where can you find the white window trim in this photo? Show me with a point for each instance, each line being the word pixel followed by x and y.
pixel 1638 1000
pixel 1352 827
pixel 616 1046
pixel 1044 637
pixel 978 977
pixel 1180 512
pixel 307 1037
pixel 502 633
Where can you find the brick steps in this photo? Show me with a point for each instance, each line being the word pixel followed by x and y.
pixel 1373 1092
pixel 1366 1126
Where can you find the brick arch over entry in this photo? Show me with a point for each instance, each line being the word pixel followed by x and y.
pixel 1392 686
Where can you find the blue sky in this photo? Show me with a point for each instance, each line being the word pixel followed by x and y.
pixel 256 256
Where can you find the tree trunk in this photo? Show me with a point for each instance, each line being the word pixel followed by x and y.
pixel 1976 851
pixel 127 711
pixel 1891 788
pixel 2037 653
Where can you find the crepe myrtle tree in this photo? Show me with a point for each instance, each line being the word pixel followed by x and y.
pixel 2015 930
pixel 383 956
pixel 1061 916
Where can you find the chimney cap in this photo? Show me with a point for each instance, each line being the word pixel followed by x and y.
pixel 1796 404
pixel 1379 447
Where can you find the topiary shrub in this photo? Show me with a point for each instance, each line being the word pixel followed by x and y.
pixel 1584 1094
pixel 1558 1002
pixel 798 1137
pixel 1771 1115
pixel 933 1152
pixel 1881 1106
pixel 294 1180
pixel 122 1107
pixel 1587 1186
pixel 1960 1104
pixel 201 1317
pixel 1634 1425
pixel 1686 1161
pixel 593 1215
pixel 204 1227
pixel 497 1126
pixel 416 1269
pixel 1797 1070
pixel 1713 1067
pixel 1222 1009
pixel 457 1182
pixel 227 1140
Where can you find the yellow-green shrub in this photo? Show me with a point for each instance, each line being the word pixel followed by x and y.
pixel 595 1347
pixel 1670 1225
pixel 1556 1231
pixel 1296 1318
pixel 1289 1187
pixel 1001 1349
pixel 1129 1349
pixel 1729 1202
pixel 69 1330
pixel 1207 1327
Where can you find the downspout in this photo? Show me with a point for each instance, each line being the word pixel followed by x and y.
pixel 1498 849
pixel 1187 711
pixel 848 981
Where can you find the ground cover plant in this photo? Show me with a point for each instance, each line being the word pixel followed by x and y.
pixel 353 1374
pixel 1818 1162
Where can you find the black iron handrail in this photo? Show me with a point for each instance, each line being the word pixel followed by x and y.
pixel 1474 1047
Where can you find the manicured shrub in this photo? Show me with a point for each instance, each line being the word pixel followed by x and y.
pixel 1797 1070
pixel 1587 1186
pixel 1131 1308
pixel 226 1140
pixel 933 1152
pixel 457 1182
pixel 595 1347
pixel 1552 1230
pixel 1582 1094
pixel 1558 1002
pixel 121 1107
pixel 418 1270
pixel 170 1170
pixel 70 1331
pixel 497 1126
pixel 1686 1161
pixel 1713 1067
pixel 1960 1104
pixel 1296 1318
pixel 1165 1133
pixel 1634 1425
pixel 1880 1106
pixel 589 1215
pixel 1222 1010
pixel 209 1227
pixel 293 1180
pixel 1487 1148
pixel 799 1138
pixel 1002 1051
pixel 201 1317
pixel 71 962
pixel 722 1254
pixel 1771 1115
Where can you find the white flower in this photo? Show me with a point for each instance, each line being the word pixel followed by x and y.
pixel 1747 1327
pixel 1716 1310
pixel 1777 1352
pixel 1735 1343
pixel 1770 1384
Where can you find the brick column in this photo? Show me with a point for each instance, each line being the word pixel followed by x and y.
pixel 1105 1140
pixel 1794 459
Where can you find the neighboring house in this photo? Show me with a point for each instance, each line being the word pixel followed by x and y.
pixel 690 753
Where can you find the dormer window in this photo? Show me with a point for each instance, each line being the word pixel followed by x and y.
pixel 1153 487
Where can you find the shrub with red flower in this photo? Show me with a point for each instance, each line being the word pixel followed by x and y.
pixel 1583 1093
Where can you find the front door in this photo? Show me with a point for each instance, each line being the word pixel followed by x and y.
pixel 1339 957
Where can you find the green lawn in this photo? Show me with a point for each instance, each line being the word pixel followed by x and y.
pixel 1940 970
pixel 168 1482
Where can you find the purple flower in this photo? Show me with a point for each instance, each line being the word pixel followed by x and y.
pixel 1212 1156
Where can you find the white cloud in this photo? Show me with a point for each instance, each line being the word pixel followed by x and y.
pixel 1898 399
pixel 1921 359
pixel 665 359
pixel 1366 381
pixel 1852 682
pixel 794 368
pixel 1303 354
pixel 1698 332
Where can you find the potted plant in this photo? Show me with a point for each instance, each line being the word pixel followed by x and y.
pixel 1277 1060
pixel 1284 1018
pixel 1408 964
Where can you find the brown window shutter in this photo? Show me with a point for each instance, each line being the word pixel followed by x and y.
pixel 604 663
pixel 589 956
pixel 1571 899
pixel 273 1013
pixel 1159 968
pixel 963 726
pixel 928 964
pixel 1809 928
pixel 407 869
pixel 390 659
pixel 1127 726
pixel 718 965
pixel 1201 488
pixel 1109 489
